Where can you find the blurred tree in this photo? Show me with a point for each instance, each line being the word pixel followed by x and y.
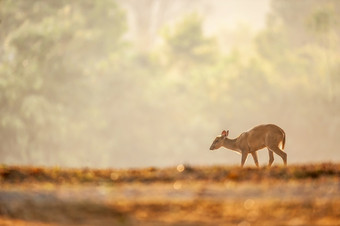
pixel 148 16
pixel 73 89
pixel 322 22
pixel 311 32
pixel 301 45
pixel 50 51
pixel 296 15
pixel 187 45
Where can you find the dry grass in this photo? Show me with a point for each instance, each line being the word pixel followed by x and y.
pixel 13 174
pixel 183 195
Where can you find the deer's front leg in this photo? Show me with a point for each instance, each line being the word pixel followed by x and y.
pixel 254 154
pixel 244 157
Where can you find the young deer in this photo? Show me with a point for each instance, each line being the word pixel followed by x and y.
pixel 270 136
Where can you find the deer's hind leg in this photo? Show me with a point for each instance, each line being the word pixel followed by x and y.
pixel 271 157
pixel 279 152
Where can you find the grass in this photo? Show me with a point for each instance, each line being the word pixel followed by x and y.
pixel 183 195
pixel 15 174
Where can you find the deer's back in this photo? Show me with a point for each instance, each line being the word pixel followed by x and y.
pixel 262 135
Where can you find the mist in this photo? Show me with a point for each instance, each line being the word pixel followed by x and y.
pixel 119 84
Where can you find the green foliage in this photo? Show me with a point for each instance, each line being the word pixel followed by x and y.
pixel 186 43
pixel 49 56
pixel 322 20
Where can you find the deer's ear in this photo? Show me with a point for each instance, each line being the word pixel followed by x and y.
pixel 225 133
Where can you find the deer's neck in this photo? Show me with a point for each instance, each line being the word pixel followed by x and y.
pixel 231 144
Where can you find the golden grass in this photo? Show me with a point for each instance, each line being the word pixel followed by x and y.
pixel 182 195
pixel 15 174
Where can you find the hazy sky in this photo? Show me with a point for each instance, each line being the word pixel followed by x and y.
pixel 219 16
pixel 229 14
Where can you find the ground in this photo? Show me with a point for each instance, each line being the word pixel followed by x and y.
pixel 182 195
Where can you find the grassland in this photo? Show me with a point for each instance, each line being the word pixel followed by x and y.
pixel 182 195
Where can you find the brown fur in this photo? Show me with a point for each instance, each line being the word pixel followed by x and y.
pixel 259 137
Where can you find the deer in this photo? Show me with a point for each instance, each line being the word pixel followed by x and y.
pixel 259 137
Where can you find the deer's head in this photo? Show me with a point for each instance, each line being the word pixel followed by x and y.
pixel 218 142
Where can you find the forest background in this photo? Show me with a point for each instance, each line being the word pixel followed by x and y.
pixel 139 83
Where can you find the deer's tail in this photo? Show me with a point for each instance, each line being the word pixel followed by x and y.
pixel 283 141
